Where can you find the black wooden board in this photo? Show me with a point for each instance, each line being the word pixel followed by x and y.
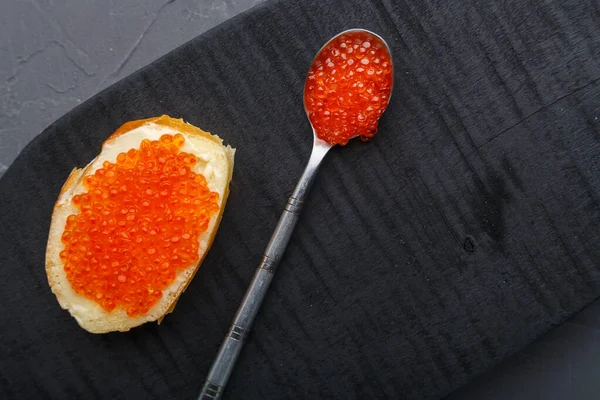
pixel 466 229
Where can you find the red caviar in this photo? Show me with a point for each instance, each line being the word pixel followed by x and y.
pixel 348 87
pixel 138 225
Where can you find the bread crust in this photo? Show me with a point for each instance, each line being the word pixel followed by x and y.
pixel 117 320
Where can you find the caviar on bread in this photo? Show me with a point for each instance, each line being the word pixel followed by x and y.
pixel 129 230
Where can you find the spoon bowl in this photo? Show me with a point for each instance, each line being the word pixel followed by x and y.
pixel 352 57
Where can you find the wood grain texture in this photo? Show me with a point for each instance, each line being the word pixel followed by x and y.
pixel 466 229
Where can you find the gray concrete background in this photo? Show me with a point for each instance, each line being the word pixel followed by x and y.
pixel 55 54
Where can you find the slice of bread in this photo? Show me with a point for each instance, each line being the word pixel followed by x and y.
pixel 213 160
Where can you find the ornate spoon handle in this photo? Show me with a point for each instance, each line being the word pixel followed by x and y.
pixel 234 341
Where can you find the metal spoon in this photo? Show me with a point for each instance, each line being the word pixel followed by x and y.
pixel 234 340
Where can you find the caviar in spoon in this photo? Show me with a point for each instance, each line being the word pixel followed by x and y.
pixel 345 94
pixel 348 87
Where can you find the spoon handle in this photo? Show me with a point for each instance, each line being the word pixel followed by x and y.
pixel 234 340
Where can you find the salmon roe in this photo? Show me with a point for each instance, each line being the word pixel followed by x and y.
pixel 139 224
pixel 348 87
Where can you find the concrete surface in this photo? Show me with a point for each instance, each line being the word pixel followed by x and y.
pixel 55 54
